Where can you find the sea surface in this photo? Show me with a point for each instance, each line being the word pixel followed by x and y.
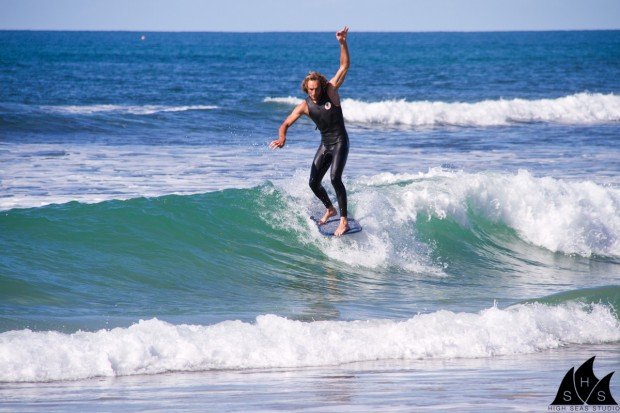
pixel 156 255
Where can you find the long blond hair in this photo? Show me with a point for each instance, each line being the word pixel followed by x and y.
pixel 314 76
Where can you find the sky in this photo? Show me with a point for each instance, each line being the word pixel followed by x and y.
pixel 304 15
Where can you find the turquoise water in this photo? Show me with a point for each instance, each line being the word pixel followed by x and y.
pixel 147 231
pixel 218 256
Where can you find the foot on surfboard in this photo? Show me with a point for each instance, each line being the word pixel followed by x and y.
pixel 329 228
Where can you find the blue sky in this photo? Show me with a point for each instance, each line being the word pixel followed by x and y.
pixel 315 15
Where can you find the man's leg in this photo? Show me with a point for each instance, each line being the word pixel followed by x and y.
pixel 340 155
pixel 320 165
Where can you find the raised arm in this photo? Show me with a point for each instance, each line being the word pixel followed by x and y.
pixel 301 109
pixel 338 78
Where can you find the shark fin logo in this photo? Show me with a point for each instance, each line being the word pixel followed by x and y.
pixel 581 386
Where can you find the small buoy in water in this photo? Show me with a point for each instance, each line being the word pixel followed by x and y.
pixel 143 37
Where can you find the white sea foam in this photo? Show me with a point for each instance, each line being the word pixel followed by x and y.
pixel 33 175
pixel 127 109
pixel 562 216
pixel 154 346
pixel 566 216
pixel 289 100
pixel 572 217
pixel 580 108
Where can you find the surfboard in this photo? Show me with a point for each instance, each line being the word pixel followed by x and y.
pixel 331 226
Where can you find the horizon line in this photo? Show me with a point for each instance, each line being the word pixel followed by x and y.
pixel 309 31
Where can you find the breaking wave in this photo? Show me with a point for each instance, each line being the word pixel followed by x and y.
pixel 580 108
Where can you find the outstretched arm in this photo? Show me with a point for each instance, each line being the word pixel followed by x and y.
pixel 338 78
pixel 301 109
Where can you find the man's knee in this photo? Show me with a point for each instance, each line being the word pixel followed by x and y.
pixel 336 181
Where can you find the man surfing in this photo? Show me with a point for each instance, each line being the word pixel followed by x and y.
pixel 323 106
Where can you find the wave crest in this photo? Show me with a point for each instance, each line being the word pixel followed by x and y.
pixel 154 346
pixel 580 108
pixel 561 216
pixel 123 109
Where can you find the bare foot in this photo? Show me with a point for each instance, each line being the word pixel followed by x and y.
pixel 328 214
pixel 343 227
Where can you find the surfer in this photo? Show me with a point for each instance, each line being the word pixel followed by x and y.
pixel 322 105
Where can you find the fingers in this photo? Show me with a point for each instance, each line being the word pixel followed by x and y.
pixel 276 144
pixel 341 35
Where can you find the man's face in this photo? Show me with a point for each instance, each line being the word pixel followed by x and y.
pixel 314 90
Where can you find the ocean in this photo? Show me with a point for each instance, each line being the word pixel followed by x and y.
pixel 157 255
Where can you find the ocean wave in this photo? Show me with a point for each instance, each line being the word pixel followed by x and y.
pixel 405 215
pixel 607 294
pixel 154 346
pixel 122 109
pixel 580 108
pixel 106 172
pixel 561 216
pixel 289 100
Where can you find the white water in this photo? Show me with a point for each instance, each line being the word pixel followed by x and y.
pixel 569 216
pixel 154 346
pixel 580 108
pixel 128 109
pixel 38 174
pixel 562 216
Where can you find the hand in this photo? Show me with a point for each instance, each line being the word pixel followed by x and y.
pixel 341 35
pixel 278 143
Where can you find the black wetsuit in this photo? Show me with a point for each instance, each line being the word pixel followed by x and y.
pixel 333 150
